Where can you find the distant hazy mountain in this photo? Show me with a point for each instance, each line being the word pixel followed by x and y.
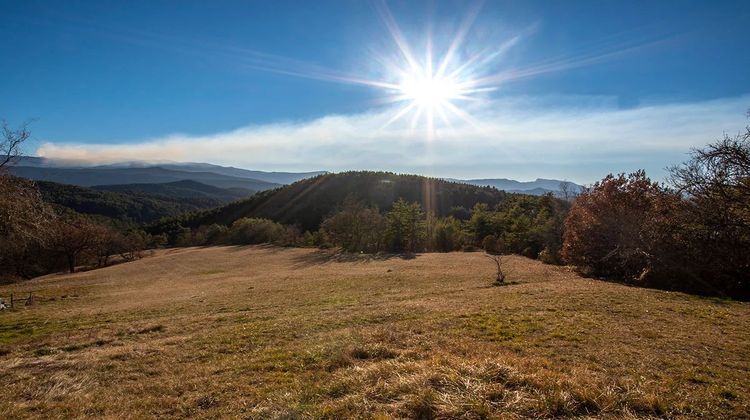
pixel 272 177
pixel 74 173
pixel 87 177
pixel 219 176
pixel 30 161
pixel 537 187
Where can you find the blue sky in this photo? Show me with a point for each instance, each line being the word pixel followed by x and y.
pixel 607 86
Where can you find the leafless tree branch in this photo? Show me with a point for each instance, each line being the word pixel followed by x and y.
pixel 11 141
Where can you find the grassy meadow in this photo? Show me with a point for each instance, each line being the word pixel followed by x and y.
pixel 268 332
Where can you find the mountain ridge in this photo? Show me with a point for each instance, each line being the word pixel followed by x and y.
pixel 274 177
pixel 89 177
pixel 136 172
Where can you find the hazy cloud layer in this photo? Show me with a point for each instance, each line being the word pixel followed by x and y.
pixel 580 139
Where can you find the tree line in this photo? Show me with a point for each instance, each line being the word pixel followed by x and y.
pixel 526 225
pixel 37 238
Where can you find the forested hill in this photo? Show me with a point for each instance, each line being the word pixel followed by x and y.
pixel 306 203
pixel 130 205
pixel 201 195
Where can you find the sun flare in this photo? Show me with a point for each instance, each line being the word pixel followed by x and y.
pixel 432 89
pixel 428 91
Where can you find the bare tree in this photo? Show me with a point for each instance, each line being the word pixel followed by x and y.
pixel 568 192
pixel 499 263
pixel 715 184
pixel 23 213
pixel 25 218
pixel 720 169
pixel 11 141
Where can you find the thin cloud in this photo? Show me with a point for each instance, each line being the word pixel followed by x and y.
pixel 519 138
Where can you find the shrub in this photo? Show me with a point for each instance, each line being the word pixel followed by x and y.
pixel 290 237
pixel 548 256
pixel 248 231
pixel 355 228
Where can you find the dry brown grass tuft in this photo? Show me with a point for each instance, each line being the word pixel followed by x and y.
pixel 264 332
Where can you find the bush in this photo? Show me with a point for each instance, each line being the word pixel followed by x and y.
pixel 248 231
pixel 548 256
pixel 290 237
pixel 355 228
pixel 211 235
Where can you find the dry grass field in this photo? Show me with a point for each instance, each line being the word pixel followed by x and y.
pixel 259 332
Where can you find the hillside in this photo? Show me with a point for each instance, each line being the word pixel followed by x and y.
pixel 264 332
pixel 305 203
pixel 130 206
pixel 193 191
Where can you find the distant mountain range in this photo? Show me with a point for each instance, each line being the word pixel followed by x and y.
pixel 242 182
pixel 279 178
pixel 537 187
pixel 41 169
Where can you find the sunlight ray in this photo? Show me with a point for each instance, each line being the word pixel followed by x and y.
pixel 400 114
pixel 395 32
pixel 458 40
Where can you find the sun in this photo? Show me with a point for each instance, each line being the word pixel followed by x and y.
pixel 430 98
pixel 433 90
pixel 444 83
pixel 430 93
pixel 427 91
pixel 434 86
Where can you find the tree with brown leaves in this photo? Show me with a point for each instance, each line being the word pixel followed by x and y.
pixel 613 228
pixel 75 236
